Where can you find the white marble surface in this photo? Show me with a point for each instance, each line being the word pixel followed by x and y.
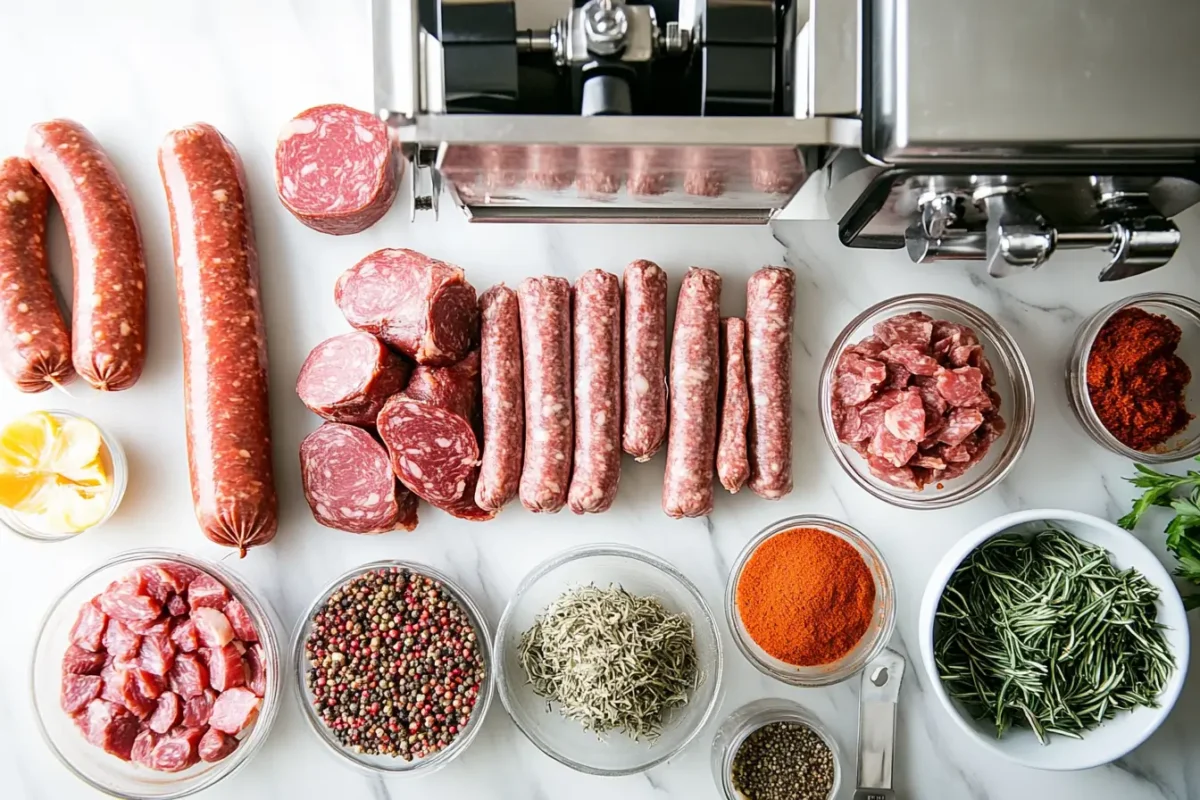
pixel 132 70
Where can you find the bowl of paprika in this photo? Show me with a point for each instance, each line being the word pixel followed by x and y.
pixel 810 601
pixel 1129 379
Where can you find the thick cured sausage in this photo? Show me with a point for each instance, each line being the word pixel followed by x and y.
pixel 770 307
pixel 349 483
pixel 35 348
pixel 349 377
pixel 695 366
pixel 224 337
pixel 417 305
pixel 596 310
pixel 108 325
pixel 546 345
pixel 733 465
pixel 503 398
pixel 335 169
pixel 645 381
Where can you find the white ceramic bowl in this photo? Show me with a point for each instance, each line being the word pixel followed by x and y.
pixel 1128 729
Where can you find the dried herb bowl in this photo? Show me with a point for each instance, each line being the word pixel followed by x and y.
pixel 566 740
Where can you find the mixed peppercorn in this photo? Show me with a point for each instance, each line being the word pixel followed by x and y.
pixel 394 664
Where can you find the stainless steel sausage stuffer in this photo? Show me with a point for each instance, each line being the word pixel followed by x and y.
pixel 996 132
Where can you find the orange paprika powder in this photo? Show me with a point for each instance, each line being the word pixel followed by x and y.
pixel 806 597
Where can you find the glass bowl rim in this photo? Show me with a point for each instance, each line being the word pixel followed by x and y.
pixel 665 567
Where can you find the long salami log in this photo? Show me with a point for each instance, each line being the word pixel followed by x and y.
pixel 596 310
pixel 770 308
pixel 224 337
pixel 733 465
pixel 503 398
pixel 695 365
pixel 546 344
pixel 645 380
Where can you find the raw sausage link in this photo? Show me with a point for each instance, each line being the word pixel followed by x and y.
pixel 546 342
pixel 597 323
pixel 770 308
pixel 733 466
pixel 224 338
pixel 645 382
pixel 503 398
pixel 108 325
pixel 695 366
pixel 35 348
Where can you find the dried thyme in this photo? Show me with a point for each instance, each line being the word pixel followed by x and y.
pixel 611 660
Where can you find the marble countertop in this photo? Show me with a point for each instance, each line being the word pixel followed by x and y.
pixel 131 75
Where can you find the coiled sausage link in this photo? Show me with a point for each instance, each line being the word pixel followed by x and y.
pixel 108 325
pixel 596 314
pixel 503 398
pixel 224 338
pixel 35 348
pixel 645 380
pixel 546 345
pixel 770 307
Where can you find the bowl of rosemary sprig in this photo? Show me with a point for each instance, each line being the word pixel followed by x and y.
pixel 1054 639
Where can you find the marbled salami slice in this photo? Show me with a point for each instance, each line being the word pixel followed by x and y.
pixel 419 306
pixel 335 169
pixel 348 480
pixel 915 328
pixel 906 419
pixel 349 377
pixel 466 507
pixel 962 386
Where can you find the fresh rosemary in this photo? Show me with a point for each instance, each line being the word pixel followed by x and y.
pixel 1181 493
pixel 611 660
pixel 1047 634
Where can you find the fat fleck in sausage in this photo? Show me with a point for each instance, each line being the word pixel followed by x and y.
pixel 596 311
pixel 645 380
pixel 35 348
pixel 770 307
pixel 733 466
pixel 695 365
pixel 546 345
pixel 108 326
pixel 224 338
pixel 503 398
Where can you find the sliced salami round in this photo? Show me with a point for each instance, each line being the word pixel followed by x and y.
pixel 335 169
pixel 433 451
pixel 348 481
pixel 348 378
pixel 419 306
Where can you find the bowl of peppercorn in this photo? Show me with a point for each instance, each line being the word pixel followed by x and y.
pixel 1129 378
pixel 394 668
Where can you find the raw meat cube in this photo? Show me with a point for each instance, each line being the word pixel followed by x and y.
pixel 235 710
pixel 216 745
pixel 176 606
pixel 962 386
pixel 125 601
pixel 159 582
pixel 891 448
pixel 181 574
pixel 78 691
pixel 225 667
pixel 912 358
pixel 188 677
pixel 205 591
pixel 77 661
pixel 856 379
pixel 915 328
pixel 185 636
pixel 167 714
pixel 213 627
pixel 906 419
pixel 143 745
pixel 177 751
pixel 239 618
pixel 256 670
pixel 128 688
pixel 120 641
pixel 197 710
pixel 962 423
pixel 88 630
pixel 157 653
pixel 109 726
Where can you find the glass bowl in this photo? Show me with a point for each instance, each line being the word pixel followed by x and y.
pixel 114 459
pixel 89 763
pixel 1184 312
pixel 883 618
pixel 565 740
pixel 1013 383
pixel 738 726
pixel 394 765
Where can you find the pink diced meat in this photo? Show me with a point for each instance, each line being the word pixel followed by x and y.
pixel 235 710
pixel 78 691
pixel 157 653
pixel 962 386
pixel 226 669
pixel 77 661
pixel 131 688
pixel 213 627
pixel 143 746
pixel 888 447
pixel 159 582
pixel 900 477
pixel 120 641
pixel 109 726
pixel 177 751
pixel 856 379
pixel 205 591
pixel 912 358
pixel 88 630
pixel 256 670
pixel 906 419
pixel 167 714
pixel 239 618
pixel 181 574
pixel 216 745
pixel 198 710
pixel 914 328
pixel 962 423
pixel 177 606
pixel 188 676
pixel 125 601
pixel 185 636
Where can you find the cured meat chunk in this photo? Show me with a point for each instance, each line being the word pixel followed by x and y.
pixel 695 368
pixel 160 583
pixel 78 691
pixel 549 422
pixel 962 423
pixel 215 745
pixel 143 746
pixel 188 676
pixel 77 661
pixel 900 477
pixel 869 347
pixel 906 419
pixel 891 448
pixel 198 710
pixel 348 378
pixel 239 618
pixel 915 328
pixel 454 388
pixel 733 464
pixel 857 378
pixel 133 688
pixel 110 727
pixel 503 399
pixel 770 307
pixel 645 381
pixel 181 574
pixel 157 652
pixel 419 306
pixel 433 451
pixel 465 507
pixel 177 751
pixel 176 605
pixel 205 591
pixel 185 636
pixel 596 316
pixel 226 669
pixel 213 627
pixel 89 627
pixel 335 169
pixel 962 386
pixel 256 669
pixel 912 358
pixel 167 714
pixel 235 710
pixel 348 480
pixel 126 601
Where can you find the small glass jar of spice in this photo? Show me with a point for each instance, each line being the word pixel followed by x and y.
pixel 810 601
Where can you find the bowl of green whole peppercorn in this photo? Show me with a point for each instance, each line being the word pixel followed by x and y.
pixel 775 749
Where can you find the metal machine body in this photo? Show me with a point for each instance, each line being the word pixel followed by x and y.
pixel 1001 132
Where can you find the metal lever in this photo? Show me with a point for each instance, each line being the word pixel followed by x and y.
pixel 422 161
pixel 877 726
pixel 1018 238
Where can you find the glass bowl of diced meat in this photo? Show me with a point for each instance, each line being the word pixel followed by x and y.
pixel 155 675
pixel 926 401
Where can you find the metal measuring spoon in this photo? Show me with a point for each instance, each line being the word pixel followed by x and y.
pixel 877 726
